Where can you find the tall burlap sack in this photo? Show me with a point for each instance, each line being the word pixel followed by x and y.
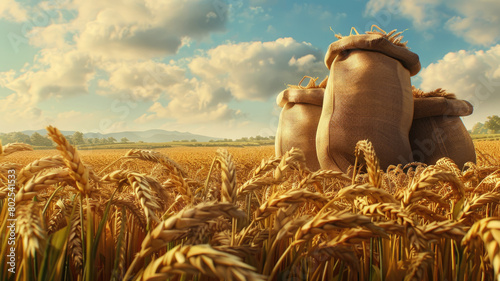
pixel 368 96
pixel 299 119
pixel 437 130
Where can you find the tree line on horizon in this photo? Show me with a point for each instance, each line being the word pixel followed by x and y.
pixel 77 138
pixel 490 126
pixel 37 139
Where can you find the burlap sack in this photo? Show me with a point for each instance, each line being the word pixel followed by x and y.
pixel 368 96
pixel 437 130
pixel 299 119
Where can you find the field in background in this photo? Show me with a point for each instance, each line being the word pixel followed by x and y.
pixel 196 160
pixel 180 144
pixel 487 137
pixel 267 216
pixel 194 157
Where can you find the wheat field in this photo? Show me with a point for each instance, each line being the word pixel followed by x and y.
pixel 243 214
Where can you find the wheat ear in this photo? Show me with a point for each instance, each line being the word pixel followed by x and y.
pixel 14 147
pixel 80 173
pixel 40 182
pixel 142 190
pixel 199 259
pixel 30 227
pixel 488 230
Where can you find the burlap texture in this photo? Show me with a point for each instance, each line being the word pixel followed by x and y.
pixel 437 106
pixel 437 131
pixel 374 43
pixel 298 122
pixel 368 96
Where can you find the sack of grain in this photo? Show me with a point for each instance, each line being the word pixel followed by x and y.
pixel 368 96
pixel 299 119
pixel 437 130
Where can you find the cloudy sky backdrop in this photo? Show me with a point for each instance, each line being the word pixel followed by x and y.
pixel 214 67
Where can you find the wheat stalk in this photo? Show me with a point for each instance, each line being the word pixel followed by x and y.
pixel 31 228
pixel 80 173
pixel 315 177
pixel 40 182
pixel 14 147
pixel 477 202
pixel 447 163
pixel 130 203
pixel 156 157
pixel 426 195
pixel 431 176
pixel 178 226
pixel 425 212
pixel 418 265
pixel 4 190
pixel 289 229
pixel 444 229
pixel 256 183
pixel 360 190
pixel 142 190
pixel 488 230
pixel 75 248
pixel 333 220
pixel 351 236
pixel 293 157
pixel 492 180
pixel 290 198
pixel 120 245
pixel 266 165
pixel 388 210
pixel 228 188
pixel 203 233
pixel 372 162
pixel 199 259
pixel 58 218
pixel 6 166
pixel 37 166
pixel 342 253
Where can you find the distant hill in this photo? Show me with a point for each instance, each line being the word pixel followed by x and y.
pixel 135 136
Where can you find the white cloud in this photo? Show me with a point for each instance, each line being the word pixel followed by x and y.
pixel 50 36
pixel 112 41
pixel 110 46
pixel 473 76
pixel 145 80
pixel 12 11
pixel 55 73
pixel 259 70
pixel 135 29
pixel 193 102
pixel 143 29
pixel 422 13
pixel 245 71
pixel 71 120
pixel 19 113
pixel 72 114
pixel 477 21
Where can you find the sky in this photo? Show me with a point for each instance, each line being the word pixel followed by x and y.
pixel 215 67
